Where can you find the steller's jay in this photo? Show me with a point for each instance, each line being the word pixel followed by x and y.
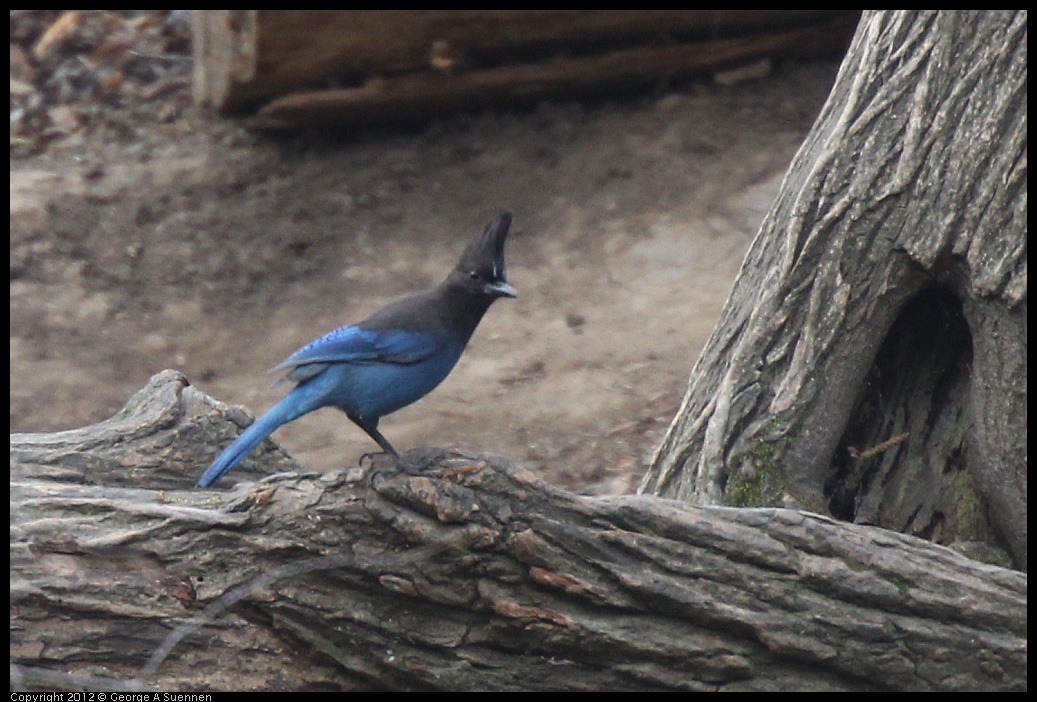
pixel 391 359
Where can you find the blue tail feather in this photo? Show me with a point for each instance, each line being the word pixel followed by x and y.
pixel 283 412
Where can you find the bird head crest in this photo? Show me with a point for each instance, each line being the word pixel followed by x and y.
pixel 483 258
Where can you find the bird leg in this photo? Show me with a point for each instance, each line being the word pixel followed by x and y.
pixel 423 464
pixel 371 429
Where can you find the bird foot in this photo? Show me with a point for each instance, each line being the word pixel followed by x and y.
pixel 383 462
pixel 379 463
pixel 370 457
pixel 416 462
pixel 429 460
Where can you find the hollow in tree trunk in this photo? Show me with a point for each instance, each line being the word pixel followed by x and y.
pixel 871 360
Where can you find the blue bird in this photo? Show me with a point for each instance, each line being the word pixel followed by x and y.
pixel 391 359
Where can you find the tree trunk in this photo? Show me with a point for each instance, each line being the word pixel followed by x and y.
pixel 473 577
pixel 870 363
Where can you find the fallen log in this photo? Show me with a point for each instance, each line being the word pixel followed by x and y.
pixel 475 576
pixel 350 67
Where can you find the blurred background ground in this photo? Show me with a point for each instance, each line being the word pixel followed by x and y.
pixel 145 235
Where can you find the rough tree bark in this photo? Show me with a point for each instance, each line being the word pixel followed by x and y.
pixel 475 576
pixel 870 363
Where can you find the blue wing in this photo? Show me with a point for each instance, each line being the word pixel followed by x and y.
pixel 354 344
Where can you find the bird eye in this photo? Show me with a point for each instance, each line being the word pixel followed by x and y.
pixel 474 275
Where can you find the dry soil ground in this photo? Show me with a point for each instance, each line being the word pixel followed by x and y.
pixel 206 249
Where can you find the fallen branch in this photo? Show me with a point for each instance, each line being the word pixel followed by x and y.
pixel 476 576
